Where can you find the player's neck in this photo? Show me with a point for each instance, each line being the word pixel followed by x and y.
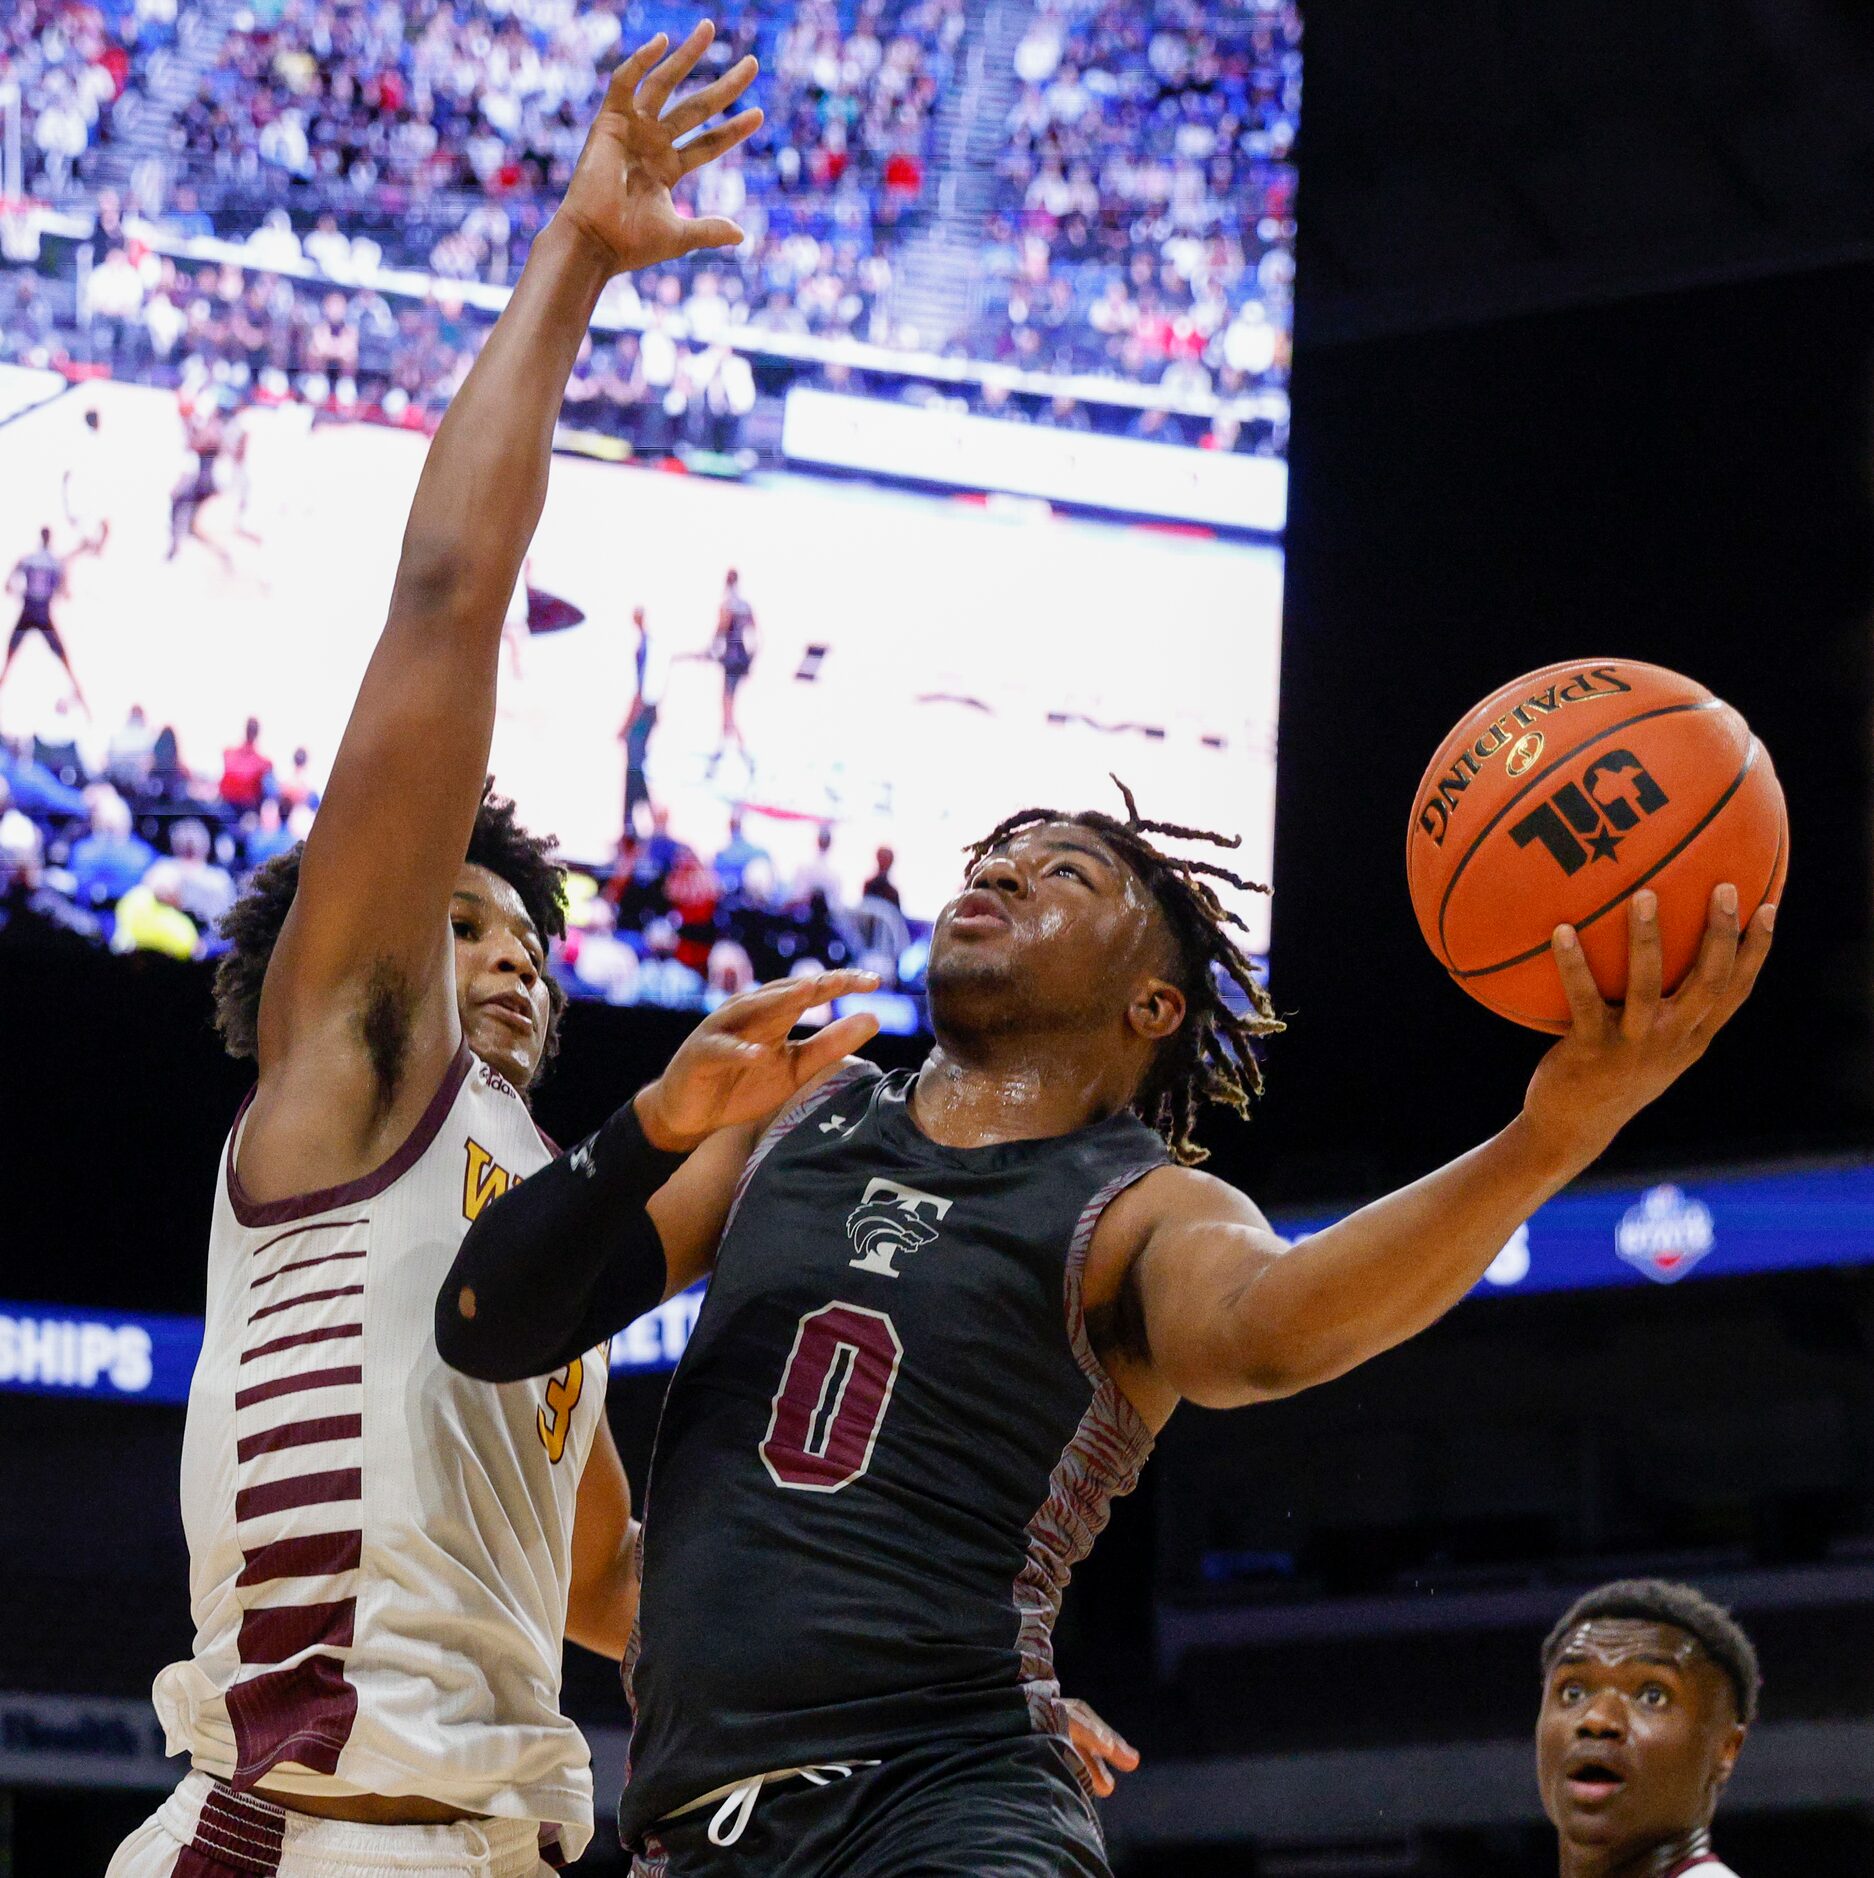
pixel 1009 1089
pixel 1656 1861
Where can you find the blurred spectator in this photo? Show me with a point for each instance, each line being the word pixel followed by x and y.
pixel 204 889
pixel 127 757
pixel 817 875
pixel 296 788
pixel 112 859
pixel 881 886
pixel 30 910
pixel 246 774
pixel 264 833
pixel 150 917
pixel 737 853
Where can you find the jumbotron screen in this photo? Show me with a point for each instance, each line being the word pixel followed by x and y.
pixel 819 594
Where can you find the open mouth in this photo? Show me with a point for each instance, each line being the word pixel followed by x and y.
pixel 977 911
pixel 1594 1781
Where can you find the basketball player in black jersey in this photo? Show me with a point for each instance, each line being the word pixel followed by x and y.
pixel 204 436
pixel 948 1311
pixel 38 579
pixel 1648 1692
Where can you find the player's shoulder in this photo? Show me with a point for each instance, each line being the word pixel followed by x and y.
pixel 1175 1195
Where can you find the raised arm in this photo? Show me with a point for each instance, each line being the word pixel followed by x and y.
pixel 633 1214
pixel 1222 1312
pixel 369 924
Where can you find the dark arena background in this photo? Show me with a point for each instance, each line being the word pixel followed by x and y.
pixel 1582 365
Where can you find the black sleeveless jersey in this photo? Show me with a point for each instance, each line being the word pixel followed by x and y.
pixel 888 1443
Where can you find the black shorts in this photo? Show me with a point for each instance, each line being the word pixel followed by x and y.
pixel 32 621
pixel 1000 1809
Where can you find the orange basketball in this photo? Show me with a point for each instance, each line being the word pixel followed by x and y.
pixel 1559 796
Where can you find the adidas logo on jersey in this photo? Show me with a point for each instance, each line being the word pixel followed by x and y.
pixel 889 1220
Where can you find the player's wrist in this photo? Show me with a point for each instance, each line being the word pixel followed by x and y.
pixel 1553 1148
pixel 660 1134
pixel 570 246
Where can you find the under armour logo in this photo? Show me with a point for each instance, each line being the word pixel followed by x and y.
pixel 832 1126
pixel 887 1221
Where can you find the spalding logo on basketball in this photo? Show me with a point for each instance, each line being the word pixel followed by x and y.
pixel 1559 796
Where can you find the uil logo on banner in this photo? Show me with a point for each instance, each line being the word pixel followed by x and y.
pixel 1666 1234
pixel 891 1219
pixel 1585 822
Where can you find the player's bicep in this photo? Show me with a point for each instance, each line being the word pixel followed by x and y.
pixel 392 829
pixel 1194 1279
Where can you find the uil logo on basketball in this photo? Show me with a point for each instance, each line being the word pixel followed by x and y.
pixel 891 1220
pixel 1666 1234
pixel 1585 822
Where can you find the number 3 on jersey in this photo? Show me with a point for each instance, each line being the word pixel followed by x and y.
pixel 555 1420
pixel 832 1399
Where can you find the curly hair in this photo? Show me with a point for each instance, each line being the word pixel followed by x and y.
pixel 252 926
pixel 1211 1056
pixel 1658 1601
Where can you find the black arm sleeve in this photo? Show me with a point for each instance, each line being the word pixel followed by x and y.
pixel 560 1261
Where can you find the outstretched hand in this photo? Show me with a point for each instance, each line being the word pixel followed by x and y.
pixel 740 1064
pixel 619 197
pixel 1616 1058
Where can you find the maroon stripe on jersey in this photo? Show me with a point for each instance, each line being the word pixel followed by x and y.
pixel 299 1265
pixel 305 1297
pixel 1101 1461
pixel 302 1714
pixel 291 1385
pixel 299 1206
pixel 323 1225
pixel 302 1336
pixel 234 1833
pixel 275 1496
pixel 271 1633
pixel 311 1555
pixel 299 1435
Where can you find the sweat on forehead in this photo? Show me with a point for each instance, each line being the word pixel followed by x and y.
pixel 1620 1639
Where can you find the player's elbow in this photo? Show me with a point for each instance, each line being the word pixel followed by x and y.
pixel 468 1342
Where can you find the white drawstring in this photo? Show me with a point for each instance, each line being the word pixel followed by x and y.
pixel 733 1815
pixel 738 1808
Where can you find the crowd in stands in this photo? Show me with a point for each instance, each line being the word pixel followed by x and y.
pixel 355 352
pixel 71 60
pixel 465 119
pixel 121 843
pixel 1146 194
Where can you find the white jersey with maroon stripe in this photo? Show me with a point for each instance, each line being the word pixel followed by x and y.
pixel 379 1547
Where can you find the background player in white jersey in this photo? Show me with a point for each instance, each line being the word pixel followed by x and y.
pixel 1648 1690
pixel 83 485
pixel 383 1554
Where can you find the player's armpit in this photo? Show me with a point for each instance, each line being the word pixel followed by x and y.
pixel 602 1597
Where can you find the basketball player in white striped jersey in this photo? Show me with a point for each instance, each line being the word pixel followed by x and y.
pixel 1648 1691
pixel 385 1554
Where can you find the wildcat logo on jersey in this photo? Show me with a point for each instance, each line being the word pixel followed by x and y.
pixel 1587 821
pixel 888 1220
pixel 483 1179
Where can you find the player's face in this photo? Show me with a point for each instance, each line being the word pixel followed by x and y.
pixel 1052 921
pixel 500 974
pixel 1636 1737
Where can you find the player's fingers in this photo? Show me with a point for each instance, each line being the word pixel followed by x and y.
pixel 1586 1007
pixel 1751 954
pixel 624 81
pixel 768 1013
pixel 1643 965
pixel 712 143
pixel 714 232
pixel 655 92
pixel 703 104
pixel 1698 997
pixel 840 1038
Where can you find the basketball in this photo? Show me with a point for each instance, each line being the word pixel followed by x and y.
pixel 1559 796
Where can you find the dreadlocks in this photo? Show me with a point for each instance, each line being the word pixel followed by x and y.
pixel 1211 1056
